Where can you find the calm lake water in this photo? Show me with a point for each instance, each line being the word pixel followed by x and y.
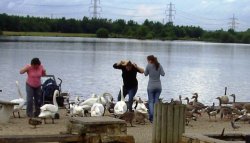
pixel 85 66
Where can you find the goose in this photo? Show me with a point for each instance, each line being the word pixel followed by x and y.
pixel 34 122
pixel 120 107
pixel 49 110
pixel 197 105
pixel 176 101
pixel 237 105
pixel 223 99
pixel 188 101
pixel 247 107
pixel 245 117
pixel 20 101
pixel 128 117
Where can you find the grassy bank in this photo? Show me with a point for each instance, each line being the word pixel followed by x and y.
pixel 47 34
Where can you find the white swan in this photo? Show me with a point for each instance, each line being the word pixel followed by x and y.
pixel 97 110
pixel 140 106
pixel 20 101
pixel 120 107
pixel 49 110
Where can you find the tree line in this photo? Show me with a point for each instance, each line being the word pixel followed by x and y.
pixel 120 29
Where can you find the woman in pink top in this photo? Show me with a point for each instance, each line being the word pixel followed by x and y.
pixel 33 86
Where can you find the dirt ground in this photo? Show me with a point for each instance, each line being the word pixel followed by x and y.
pixel 141 133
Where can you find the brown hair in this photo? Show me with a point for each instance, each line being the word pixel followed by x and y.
pixel 154 61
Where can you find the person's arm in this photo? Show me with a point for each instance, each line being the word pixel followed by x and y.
pixel 118 65
pixel 24 69
pixel 146 71
pixel 139 69
pixel 162 71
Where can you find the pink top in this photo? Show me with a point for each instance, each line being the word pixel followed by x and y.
pixel 34 75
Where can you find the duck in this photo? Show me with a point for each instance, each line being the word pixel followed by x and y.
pixel 34 122
pixel 20 101
pixel 49 110
pixel 121 106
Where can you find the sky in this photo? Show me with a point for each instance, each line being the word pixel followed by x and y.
pixel 208 14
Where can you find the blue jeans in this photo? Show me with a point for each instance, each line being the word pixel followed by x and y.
pixel 131 93
pixel 33 96
pixel 153 97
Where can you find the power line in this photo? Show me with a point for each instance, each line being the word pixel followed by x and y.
pixel 95 9
pixel 170 12
pixel 233 23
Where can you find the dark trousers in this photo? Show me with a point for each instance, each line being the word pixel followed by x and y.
pixel 131 93
pixel 34 96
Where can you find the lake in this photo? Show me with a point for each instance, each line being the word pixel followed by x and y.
pixel 85 65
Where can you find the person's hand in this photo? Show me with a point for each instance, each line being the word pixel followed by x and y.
pixel 135 65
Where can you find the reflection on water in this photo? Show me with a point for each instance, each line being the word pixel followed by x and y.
pixel 86 67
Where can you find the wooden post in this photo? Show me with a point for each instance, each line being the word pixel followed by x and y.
pixel 225 90
pixel 158 127
pixel 164 111
pixel 154 124
pixel 181 125
pixel 176 123
pixel 170 123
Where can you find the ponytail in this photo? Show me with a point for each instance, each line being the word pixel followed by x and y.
pixel 154 61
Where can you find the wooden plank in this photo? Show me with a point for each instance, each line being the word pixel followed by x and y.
pixel 158 125
pixel 170 123
pixel 7 103
pixel 164 123
pixel 154 123
pixel 176 123
pixel 96 120
pixel 40 138
pixel 181 125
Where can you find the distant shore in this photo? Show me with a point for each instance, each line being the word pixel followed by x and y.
pixel 47 34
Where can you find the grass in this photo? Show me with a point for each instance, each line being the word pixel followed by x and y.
pixel 47 34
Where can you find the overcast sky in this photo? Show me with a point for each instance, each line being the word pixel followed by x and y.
pixel 208 14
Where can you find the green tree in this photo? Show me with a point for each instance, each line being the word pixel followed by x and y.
pixel 102 33
pixel 142 32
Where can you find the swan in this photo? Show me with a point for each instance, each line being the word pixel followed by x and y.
pixel 20 101
pixel 120 107
pixel 139 106
pixel 97 110
pixel 49 110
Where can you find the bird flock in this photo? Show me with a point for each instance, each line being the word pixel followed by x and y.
pixel 227 110
pixel 96 106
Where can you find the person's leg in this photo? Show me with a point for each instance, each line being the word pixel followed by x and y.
pixel 29 98
pixel 157 95
pixel 125 92
pixel 151 104
pixel 131 93
pixel 37 101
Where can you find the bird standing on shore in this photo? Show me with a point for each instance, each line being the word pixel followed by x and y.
pixel 234 126
pixel 34 122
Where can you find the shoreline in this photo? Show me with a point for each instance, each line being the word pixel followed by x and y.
pixel 142 133
pixel 72 39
